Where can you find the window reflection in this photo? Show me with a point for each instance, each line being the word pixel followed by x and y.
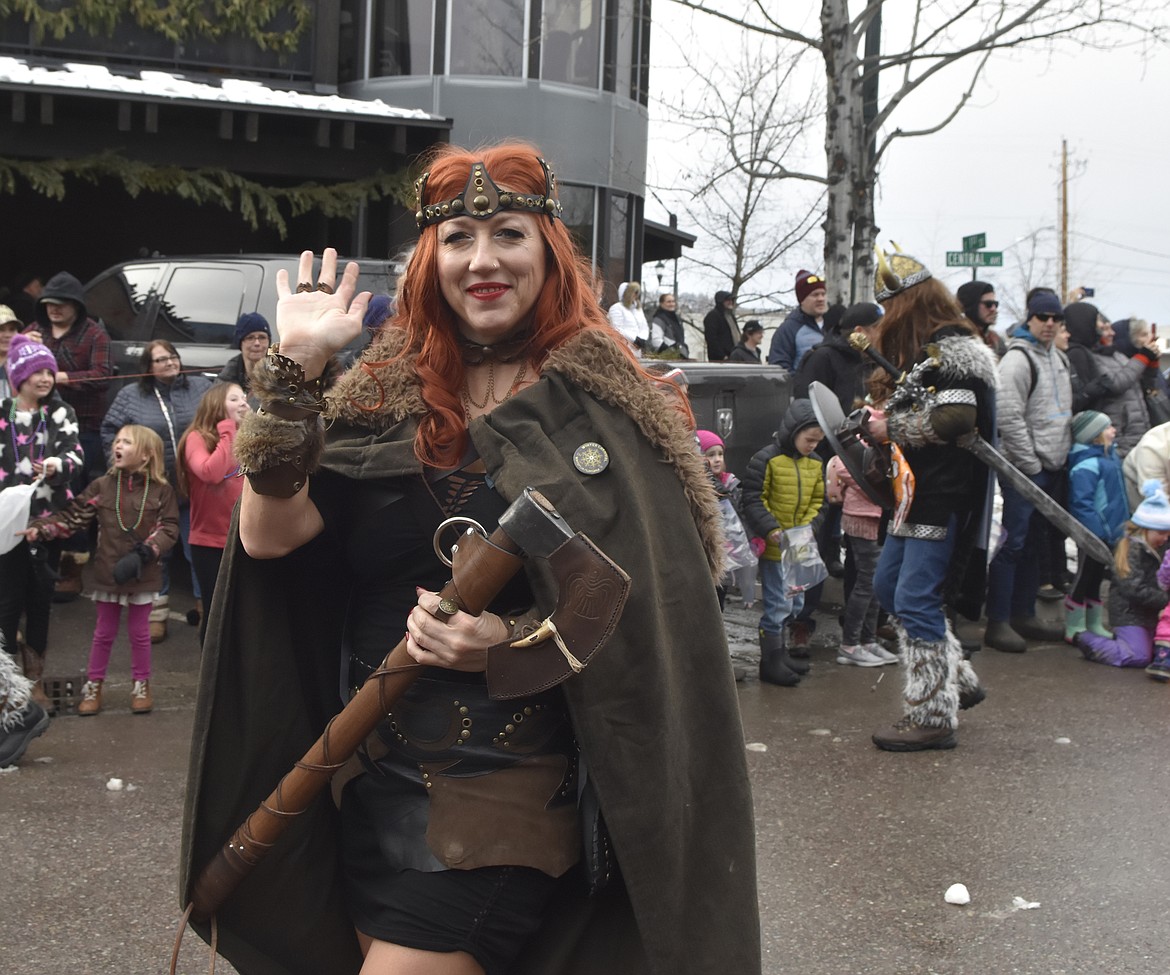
pixel 571 41
pixel 403 30
pixel 487 37
pixel 578 214
pixel 619 235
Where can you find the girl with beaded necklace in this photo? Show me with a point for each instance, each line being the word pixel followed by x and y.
pixel 137 515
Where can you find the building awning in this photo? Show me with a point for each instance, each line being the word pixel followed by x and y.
pixel 97 80
pixel 661 242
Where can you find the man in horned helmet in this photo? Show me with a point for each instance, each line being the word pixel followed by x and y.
pixel 935 555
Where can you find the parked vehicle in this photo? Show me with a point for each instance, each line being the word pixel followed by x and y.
pixel 195 301
pixel 742 402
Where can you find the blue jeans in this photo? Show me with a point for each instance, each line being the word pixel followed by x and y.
pixel 1013 578
pixel 911 573
pixel 778 604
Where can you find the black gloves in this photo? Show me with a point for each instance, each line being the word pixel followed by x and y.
pixel 129 566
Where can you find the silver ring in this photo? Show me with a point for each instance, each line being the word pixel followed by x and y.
pixel 472 526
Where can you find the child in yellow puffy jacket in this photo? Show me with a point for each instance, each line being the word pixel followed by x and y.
pixel 783 488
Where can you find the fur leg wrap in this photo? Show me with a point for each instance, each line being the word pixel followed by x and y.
pixel 15 691
pixel 931 691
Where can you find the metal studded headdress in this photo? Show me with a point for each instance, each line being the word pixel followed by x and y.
pixel 896 272
pixel 482 198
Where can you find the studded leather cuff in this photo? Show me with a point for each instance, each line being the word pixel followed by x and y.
pixel 280 384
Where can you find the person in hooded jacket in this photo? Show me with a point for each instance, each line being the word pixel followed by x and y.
pixel 1131 336
pixel 748 348
pixel 1123 400
pixel 1090 385
pixel 720 328
pixel 804 328
pixel 783 488
pixel 835 363
pixel 82 350
pixel 981 307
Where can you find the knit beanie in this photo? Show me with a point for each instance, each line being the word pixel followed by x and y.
pixel 26 357
pixel 251 322
pixel 1154 512
pixel 378 310
pixel 1045 303
pixel 1088 425
pixel 707 440
pixel 807 283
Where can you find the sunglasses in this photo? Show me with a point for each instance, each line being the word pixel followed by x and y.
pixel 1044 317
pixel 814 279
pixel 989 304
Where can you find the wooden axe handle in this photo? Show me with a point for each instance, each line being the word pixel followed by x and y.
pixel 481 568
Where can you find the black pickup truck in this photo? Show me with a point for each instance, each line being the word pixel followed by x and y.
pixel 743 403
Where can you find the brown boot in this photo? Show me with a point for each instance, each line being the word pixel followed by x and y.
pixel 68 585
pixel 91 698
pixel 33 664
pixel 905 736
pixel 140 700
pixel 159 614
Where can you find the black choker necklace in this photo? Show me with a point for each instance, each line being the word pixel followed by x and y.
pixel 508 350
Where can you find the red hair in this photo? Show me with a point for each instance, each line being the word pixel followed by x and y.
pixel 564 308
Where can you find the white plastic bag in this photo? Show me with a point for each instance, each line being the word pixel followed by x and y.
pixel 739 549
pixel 15 502
pixel 800 560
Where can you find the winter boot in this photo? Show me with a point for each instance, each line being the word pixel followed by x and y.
pixel 160 612
pixel 931 695
pixel 141 701
pixel 999 635
pixel 1093 623
pixel 1074 619
pixel 799 635
pixel 33 664
pixel 91 698
pixel 21 718
pixel 773 668
pixel 68 585
pixel 1159 668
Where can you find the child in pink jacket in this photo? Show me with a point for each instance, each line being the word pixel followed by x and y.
pixel 860 523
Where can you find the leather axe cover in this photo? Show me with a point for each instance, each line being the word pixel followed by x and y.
pixel 592 594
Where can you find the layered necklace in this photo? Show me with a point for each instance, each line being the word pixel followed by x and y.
pixel 141 506
pixel 39 432
pixel 489 396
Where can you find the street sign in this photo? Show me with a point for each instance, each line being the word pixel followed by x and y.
pixel 974 259
pixel 975 242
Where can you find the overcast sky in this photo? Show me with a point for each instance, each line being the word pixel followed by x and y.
pixel 996 170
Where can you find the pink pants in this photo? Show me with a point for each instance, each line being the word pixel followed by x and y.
pixel 137 628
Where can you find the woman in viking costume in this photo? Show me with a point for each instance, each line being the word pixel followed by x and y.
pixel 934 558
pixel 453 842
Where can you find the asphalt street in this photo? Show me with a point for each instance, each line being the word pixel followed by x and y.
pixel 1049 811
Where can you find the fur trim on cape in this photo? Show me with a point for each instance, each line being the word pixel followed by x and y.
pixel 383 389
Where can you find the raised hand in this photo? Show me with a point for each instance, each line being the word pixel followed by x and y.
pixel 316 318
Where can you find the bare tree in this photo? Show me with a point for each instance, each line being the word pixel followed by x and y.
pixel 742 193
pixel 931 41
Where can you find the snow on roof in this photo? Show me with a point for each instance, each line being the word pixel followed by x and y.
pixel 162 84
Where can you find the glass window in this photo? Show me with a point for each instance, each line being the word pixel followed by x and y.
pixel 201 304
pixel 118 299
pixel 487 37
pixel 571 42
pixel 351 61
pixel 616 260
pixel 577 204
pixel 403 35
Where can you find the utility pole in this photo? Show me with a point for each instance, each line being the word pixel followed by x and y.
pixel 1064 220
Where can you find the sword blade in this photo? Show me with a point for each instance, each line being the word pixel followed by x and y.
pixel 1084 539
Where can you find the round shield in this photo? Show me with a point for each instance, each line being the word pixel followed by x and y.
pixel 845 437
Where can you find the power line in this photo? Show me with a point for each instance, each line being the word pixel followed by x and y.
pixel 1124 247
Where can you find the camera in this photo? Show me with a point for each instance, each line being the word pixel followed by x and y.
pixel 1089 292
